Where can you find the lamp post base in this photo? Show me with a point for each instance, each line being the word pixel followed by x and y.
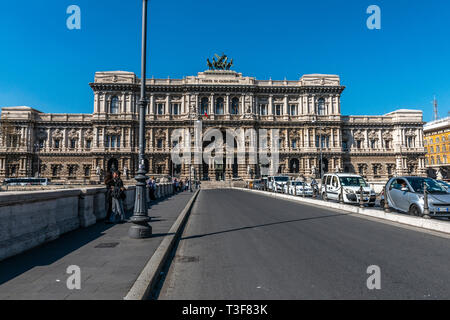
pixel 140 230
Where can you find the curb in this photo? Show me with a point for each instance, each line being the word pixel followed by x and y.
pixel 428 224
pixel 148 278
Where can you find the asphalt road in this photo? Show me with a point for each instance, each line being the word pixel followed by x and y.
pixel 239 245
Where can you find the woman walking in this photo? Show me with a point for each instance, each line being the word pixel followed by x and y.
pixel 118 195
pixel 109 183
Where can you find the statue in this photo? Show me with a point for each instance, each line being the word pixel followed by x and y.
pixel 97 171
pixel 125 171
pixel 220 64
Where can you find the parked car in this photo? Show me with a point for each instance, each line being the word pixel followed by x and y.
pixel 276 183
pixel 446 185
pixel 295 188
pixel 351 184
pixel 406 194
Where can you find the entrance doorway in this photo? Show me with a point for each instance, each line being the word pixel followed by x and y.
pixel 113 165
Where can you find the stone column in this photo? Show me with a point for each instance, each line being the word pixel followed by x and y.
pixel 167 111
pixel 271 111
pixel 227 107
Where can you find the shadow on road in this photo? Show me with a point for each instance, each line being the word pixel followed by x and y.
pixel 264 225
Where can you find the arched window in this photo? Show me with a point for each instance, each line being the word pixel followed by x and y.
pixel 235 105
pixel 219 106
pixel 321 106
pixel 115 105
pixel 204 106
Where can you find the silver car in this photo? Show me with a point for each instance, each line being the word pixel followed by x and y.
pixel 406 194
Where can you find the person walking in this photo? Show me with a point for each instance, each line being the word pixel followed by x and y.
pixel 118 195
pixel 108 195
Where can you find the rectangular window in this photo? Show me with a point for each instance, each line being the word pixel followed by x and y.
pixel 294 143
pixel 293 109
pixel 160 108
pixel 88 144
pixel 159 144
pixel 263 109
pixel 73 143
pixel 57 144
pixel 175 108
pixel 278 109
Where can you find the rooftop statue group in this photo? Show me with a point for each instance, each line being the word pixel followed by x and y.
pixel 221 63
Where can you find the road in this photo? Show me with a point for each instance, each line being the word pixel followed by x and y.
pixel 239 245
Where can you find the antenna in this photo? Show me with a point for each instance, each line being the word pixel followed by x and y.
pixel 435 104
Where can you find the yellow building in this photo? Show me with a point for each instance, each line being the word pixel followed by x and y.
pixel 437 144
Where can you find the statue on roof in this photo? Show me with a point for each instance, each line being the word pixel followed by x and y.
pixel 219 63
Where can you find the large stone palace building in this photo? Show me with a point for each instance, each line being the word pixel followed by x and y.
pixel 307 112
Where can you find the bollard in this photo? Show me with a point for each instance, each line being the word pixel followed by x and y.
pixel 426 208
pixel 341 198
pixel 386 204
pixel 361 199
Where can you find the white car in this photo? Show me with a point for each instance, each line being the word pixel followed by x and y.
pixel 295 188
pixel 351 185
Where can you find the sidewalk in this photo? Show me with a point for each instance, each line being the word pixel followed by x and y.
pixel 109 260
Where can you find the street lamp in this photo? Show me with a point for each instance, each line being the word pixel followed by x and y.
pixel 37 150
pixel 141 228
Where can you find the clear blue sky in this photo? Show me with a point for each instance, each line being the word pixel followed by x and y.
pixel 47 66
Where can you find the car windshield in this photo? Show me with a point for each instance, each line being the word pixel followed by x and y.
pixel 353 181
pixel 417 183
pixel 281 179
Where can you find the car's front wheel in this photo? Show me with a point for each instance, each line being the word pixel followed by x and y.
pixel 324 196
pixel 414 210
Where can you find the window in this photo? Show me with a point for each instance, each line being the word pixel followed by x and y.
pixel 87 171
pixel 219 106
pixel 204 106
pixel 432 160
pixel 358 144
pixel 373 144
pixel 73 143
pixel 389 170
pixel 431 149
pixel 293 109
pixel 437 140
pixel 235 106
pixel 375 170
pixel 176 108
pixel 438 149
pixel 445 158
pixel 159 143
pixel 71 170
pixel 387 144
pixel 88 144
pixel 438 159
pixel 321 106
pixel 41 143
pixel 57 143
pixel 54 171
pixel 278 109
pixel 115 105
pixel 280 142
pixel 263 109
pixel 294 143
pixel 160 108
pixel 113 141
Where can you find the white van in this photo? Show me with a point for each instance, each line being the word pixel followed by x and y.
pixel 277 183
pixel 351 184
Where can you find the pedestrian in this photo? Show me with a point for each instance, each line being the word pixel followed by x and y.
pixel 152 188
pixel 118 195
pixel 109 183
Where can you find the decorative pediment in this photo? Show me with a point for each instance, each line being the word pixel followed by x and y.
pixel 114 131
pixel 373 135
pixel 73 134
pixel 115 77
pixel 57 134
pixel 358 135
pixel 387 135
pixel 160 134
pixel 410 133
pixel 89 134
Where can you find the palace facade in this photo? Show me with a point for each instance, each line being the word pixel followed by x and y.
pixel 307 112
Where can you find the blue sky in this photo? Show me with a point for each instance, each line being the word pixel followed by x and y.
pixel 47 66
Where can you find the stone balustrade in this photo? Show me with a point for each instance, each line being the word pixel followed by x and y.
pixel 30 219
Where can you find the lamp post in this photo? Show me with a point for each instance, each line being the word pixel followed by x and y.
pixel 37 149
pixel 141 228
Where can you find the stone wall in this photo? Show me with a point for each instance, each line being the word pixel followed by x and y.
pixel 30 219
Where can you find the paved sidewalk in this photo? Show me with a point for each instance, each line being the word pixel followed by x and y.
pixel 109 260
